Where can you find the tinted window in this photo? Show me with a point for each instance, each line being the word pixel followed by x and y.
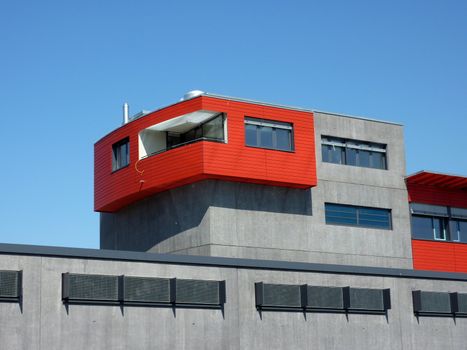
pixel 352 152
pixel 268 134
pixel 250 135
pixel 357 216
pixel 120 154
pixel 265 137
pixel 422 227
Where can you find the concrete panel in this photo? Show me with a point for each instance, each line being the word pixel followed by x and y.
pixel 45 323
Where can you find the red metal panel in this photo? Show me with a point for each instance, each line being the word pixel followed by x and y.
pixel 437 195
pixel 203 160
pixel 439 256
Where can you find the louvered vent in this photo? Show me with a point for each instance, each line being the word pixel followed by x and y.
pixel 278 295
pixel 146 290
pixel 81 287
pixel 199 292
pixel 10 285
pixel 325 298
pixel 461 303
pixel 364 299
pixel 431 303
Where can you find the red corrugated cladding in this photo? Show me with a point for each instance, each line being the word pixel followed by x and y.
pixel 446 190
pixel 439 256
pixel 204 160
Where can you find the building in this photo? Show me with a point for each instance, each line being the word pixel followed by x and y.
pixel 285 228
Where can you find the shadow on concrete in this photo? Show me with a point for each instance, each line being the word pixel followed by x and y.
pixel 142 225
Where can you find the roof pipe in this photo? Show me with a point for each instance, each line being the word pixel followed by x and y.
pixel 126 113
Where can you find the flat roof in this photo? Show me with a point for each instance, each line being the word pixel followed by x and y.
pixel 431 178
pixel 210 261
pixel 239 99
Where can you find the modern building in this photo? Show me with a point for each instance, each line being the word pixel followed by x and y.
pixel 228 223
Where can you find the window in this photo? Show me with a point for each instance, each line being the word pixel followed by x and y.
pixel 120 154
pixel 439 223
pixel 212 130
pixel 268 134
pixel 340 214
pixel 351 152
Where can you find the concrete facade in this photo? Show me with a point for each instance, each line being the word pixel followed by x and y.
pixel 43 322
pixel 220 218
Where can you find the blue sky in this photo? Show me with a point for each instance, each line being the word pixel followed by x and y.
pixel 66 67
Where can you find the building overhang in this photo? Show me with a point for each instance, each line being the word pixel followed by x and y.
pixel 429 178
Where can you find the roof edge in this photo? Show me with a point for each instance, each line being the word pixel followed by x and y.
pixel 176 259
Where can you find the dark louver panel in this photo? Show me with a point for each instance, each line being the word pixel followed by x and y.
pixel 330 298
pixel 428 209
pixel 146 290
pixel 198 292
pixel 373 300
pixel 461 303
pixel 431 303
pixel 10 285
pixel 90 288
pixel 278 295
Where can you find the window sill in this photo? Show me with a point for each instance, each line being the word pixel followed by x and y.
pixel 123 167
pixel 271 149
pixel 437 240
pixel 361 226
pixel 355 166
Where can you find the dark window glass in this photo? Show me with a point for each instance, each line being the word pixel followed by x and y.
pixel 422 227
pixel 251 135
pixel 283 139
pixel 268 134
pixel 463 231
pixel 378 160
pixel 265 137
pixel 120 154
pixel 349 152
pixel 214 129
pixel 357 216
pixel 351 156
pixel 364 158
pixel 211 130
pixel 454 233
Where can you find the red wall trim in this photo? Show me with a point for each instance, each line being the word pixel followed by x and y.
pixel 231 161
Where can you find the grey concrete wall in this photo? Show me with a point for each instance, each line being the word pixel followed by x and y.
pixel 43 323
pixel 254 221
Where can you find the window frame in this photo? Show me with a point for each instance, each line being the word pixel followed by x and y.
pixel 117 163
pixel 444 215
pixel 346 145
pixel 274 125
pixel 358 209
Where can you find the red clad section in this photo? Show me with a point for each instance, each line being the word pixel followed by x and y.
pixel 446 190
pixel 231 161
pixel 439 256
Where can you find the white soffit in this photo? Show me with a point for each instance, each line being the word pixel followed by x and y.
pixel 184 122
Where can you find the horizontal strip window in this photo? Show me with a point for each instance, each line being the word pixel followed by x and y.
pixel 351 152
pixel 440 223
pixel 439 303
pixel 11 285
pixel 342 214
pixel 129 290
pixel 321 298
pixel 269 134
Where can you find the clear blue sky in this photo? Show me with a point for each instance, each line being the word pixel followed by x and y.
pixel 66 67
